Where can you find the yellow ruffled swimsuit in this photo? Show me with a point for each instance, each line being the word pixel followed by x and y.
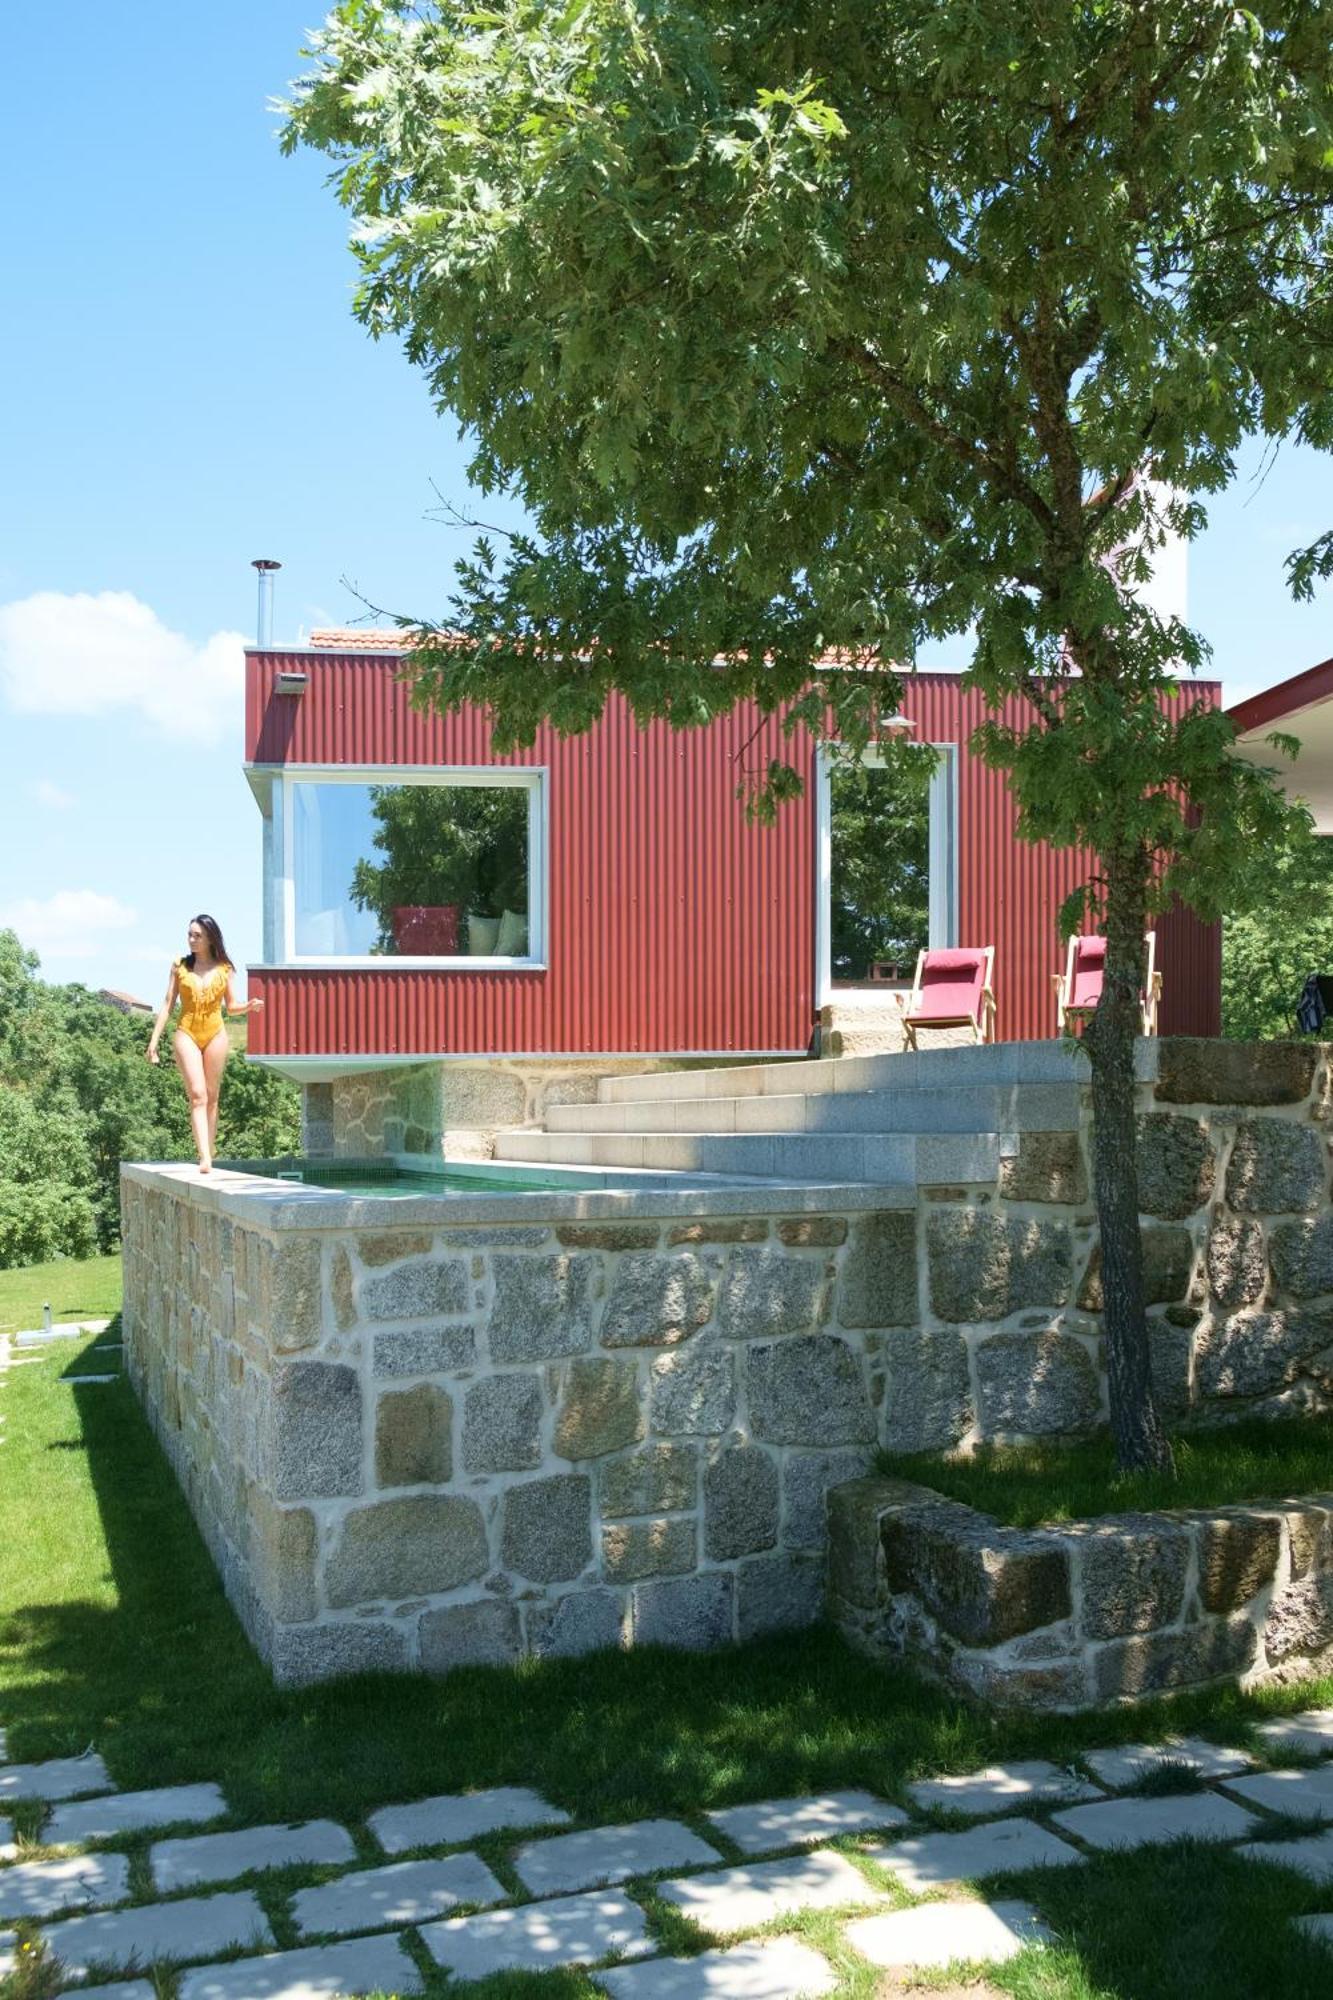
pixel 201 1003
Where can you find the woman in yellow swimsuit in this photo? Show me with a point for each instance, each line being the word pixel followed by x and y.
pixel 204 982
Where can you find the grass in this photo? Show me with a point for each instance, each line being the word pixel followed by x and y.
pixel 89 1290
pixel 1025 1485
pixel 114 1632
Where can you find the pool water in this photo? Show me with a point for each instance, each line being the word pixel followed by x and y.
pixel 397 1183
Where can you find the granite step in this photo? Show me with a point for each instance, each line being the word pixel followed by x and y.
pixel 990 1063
pixel 1038 1107
pixel 836 1159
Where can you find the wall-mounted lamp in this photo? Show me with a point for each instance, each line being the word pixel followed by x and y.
pixel 289 681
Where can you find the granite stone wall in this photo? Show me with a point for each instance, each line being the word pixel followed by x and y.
pixel 1120 1608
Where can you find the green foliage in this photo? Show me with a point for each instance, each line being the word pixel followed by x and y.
pixel 77 1098
pixel 465 845
pixel 1269 951
pixel 881 861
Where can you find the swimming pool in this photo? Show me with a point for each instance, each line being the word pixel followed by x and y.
pixel 393 1181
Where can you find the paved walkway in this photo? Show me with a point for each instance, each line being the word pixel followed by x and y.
pixel 406 1890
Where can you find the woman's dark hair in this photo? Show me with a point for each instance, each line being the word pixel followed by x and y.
pixel 212 929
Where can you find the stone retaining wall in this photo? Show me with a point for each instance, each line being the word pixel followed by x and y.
pixel 1088 1613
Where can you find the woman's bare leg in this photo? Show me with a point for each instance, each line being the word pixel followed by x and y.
pixel 190 1063
pixel 215 1061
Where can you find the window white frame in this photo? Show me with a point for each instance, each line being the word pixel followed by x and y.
pixel 532 778
pixel 942 806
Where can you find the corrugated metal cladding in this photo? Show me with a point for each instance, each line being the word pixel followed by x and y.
pixel 674 923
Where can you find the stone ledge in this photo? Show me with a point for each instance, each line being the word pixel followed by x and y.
pixel 1084 1614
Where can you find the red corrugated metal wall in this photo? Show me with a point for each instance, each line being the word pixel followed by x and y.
pixel 673 924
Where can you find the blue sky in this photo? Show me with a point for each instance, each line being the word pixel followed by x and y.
pixel 185 389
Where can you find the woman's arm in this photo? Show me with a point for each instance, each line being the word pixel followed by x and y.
pixel 173 987
pixel 240 1007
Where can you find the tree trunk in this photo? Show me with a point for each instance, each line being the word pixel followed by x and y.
pixel 1136 1428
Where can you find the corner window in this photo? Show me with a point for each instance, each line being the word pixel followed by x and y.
pixel 414 868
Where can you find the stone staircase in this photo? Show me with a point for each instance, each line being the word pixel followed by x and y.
pixel 944 1116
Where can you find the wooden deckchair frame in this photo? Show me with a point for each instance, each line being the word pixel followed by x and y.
pixel 982 1023
pixel 1149 997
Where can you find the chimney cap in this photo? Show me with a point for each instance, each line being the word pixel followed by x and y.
pixel 265 562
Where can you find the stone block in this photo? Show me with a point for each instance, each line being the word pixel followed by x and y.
pixel 359 1965
pixel 766 1293
pixel 221 1857
pixel 812 1232
pixel 303 1654
pixel 657 1479
pixel 1309 1733
pixel 483 1098
pixel 502 1422
pixel 1310 1527
pixel 984 1266
pixel 1303 1256
pixel 181 1930
pixel 1130 1823
pixel 807 1477
pixel 283 1549
pixel 483 1634
pixel 315 1431
pixel 406 1548
pixel 689 1613
pixel 81 1881
pixel 781 1593
pixel 1176 1167
pixel 543 1306
pixel 451 1818
pixel 414 1437
pixel 657 1300
pixel 1237 1261
pixel 984 1584
pixel 809 1390
pixel 855 1511
pixel 406 1892
pixel 423 1289
pixel 877 1284
pixel 1168 1266
pixel 632 1550
pixel 390 1246
pixel 1157 1662
pixel 1123 1767
pixel 720 1229
pixel 939 1934
pixel 765 1969
pixel 1275 1167
pixel 740 1502
pixel 291 1289
pixel 1036 1385
pixel 55 1778
pixel 584 1621
pixel 1312 1857
pixel 734 1899
pixel 1297 1794
pixel 609 1235
pixel 1299 1623
pixel 1033 1781
pixel 341 1289
pixel 608 1854
pixel 1252 1352
pixel 424 1350
pixel 1199 1071
pixel 1002 1846
pixel 693 1393
pixel 1133 1569
pixel 1048 1166
pixel 601 1409
pixel 547 1532
pixel 804 1822
pixel 1238 1554
pixel 538 1937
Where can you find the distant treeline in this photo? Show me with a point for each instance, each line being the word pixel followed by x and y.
pixel 77 1098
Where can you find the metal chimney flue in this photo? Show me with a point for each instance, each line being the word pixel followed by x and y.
pixel 266 567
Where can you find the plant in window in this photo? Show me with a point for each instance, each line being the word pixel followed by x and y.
pixel 446 849
pixel 881 860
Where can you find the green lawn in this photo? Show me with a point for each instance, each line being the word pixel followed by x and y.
pixel 1028 1484
pixel 90 1290
pixel 114 1632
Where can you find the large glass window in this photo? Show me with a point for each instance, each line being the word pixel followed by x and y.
pixel 412 870
pixel 881 864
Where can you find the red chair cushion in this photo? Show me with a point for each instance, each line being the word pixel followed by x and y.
pixel 951 986
pixel 1085 988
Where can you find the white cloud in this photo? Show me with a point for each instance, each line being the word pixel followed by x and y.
pixel 47 794
pixel 79 654
pixel 71 924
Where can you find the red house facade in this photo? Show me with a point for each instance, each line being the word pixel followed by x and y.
pixel 633 910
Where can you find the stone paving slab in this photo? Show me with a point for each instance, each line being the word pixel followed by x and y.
pixel 1320 1928
pixel 57 1778
pixel 72 1379
pixel 218 1857
pixel 124 1989
pixel 1303 1794
pixel 185 1930
pixel 127 1812
pixel 1118 1768
pixel 767 1969
pixel 936 1934
pixel 739 1899
pixel 448 1821
pixel 406 1892
pixel 1311 1731
pixel 8 1845
pixel 9 1952
pixel 1312 1856
pixel 570 1930
pixel 314 1972
pixel 37 1888
pixel 929 1860
pixel 1130 1823
pixel 609 1854
pixel 1003 1785
pixel 774 1823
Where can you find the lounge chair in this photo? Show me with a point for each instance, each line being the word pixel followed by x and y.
pixel 1079 987
pixel 952 989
